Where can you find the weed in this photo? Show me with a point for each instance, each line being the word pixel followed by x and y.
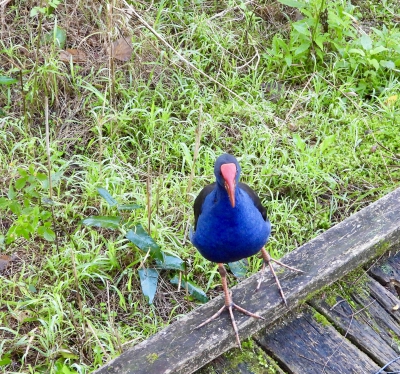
pixel 25 202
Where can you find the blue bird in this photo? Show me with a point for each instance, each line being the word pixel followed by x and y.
pixel 230 224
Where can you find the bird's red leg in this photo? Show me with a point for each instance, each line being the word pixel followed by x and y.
pixel 267 260
pixel 229 304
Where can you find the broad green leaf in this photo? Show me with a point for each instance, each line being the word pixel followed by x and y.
pixel 107 222
pixel 65 353
pixel 320 53
pixel 5 360
pixel 302 28
pixel 22 172
pixel 238 268
pixel 374 62
pixel 43 177
pixel 171 262
pixel 299 142
pixel 327 142
pixel 319 41
pixel 36 10
pixel 281 44
pixel 61 368
pixel 23 230
pixel 59 35
pixel 20 183
pixel 106 196
pixel 7 80
pixel 129 206
pixel 357 51
pixel 293 3
pixel 377 50
pixel 47 233
pixel 378 32
pixel 45 215
pixel 148 282
pixel 193 289
pixel 32 288
pixel 302 48
pixel 366 42
pixel 4 203
pixel 387 64
pixel 144 241
pixel 15 207
pixel 52 5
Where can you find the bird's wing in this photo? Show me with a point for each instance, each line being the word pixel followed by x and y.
pixel 198 203
pixel 254 197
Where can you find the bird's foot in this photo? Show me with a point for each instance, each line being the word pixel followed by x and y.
pixel 285 266
pixel 267 260
pixel 230 308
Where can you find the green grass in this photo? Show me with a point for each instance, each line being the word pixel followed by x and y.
pixel 318 150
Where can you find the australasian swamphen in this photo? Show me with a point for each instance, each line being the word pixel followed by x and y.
pixel 230 224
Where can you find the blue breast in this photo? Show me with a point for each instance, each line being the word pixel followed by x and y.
pixel 225 234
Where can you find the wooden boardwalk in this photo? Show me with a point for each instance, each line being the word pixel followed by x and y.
pixel 319 337
pixel 358 332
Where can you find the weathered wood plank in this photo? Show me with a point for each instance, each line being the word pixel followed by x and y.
pixel 387 272
pixel 302 345
pixel 180 348
pixel 389 302
pixel 252 360
pixel 366 336
pixel 375 315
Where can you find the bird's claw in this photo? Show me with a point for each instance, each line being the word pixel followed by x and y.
pixel 267 260
pixel 230 309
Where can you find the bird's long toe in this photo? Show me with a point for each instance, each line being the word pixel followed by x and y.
pixel 268 261
pixel 233 321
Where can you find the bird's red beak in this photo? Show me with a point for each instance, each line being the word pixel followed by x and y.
pixel 228 172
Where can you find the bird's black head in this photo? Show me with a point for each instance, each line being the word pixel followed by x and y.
pixel 227 172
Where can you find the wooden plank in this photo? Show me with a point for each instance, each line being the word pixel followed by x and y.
pixel 180 348
pixel 302 345
pixel 384 297
pixel 252 360
pixel 352 321
pixel 387 272
pixel 378 318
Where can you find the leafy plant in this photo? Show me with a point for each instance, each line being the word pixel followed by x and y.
pixel 372 55
pixel 308 34
pixel 137 235
pixel 329 27
pixel 58 35
pixel 24 201
pixel 45 10
pixel 7 80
